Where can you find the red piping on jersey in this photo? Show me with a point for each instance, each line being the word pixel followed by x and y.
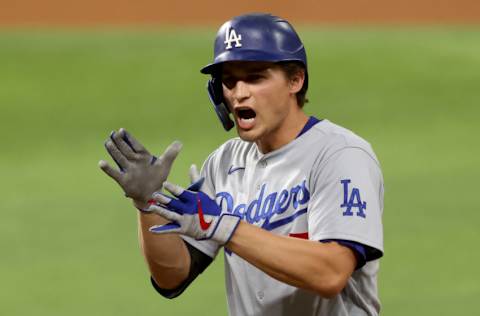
pixel 299 235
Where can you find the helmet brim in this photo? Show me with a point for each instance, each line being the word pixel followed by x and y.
pixel 245 55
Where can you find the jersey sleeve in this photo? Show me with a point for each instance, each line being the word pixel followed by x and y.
pixel 208 247
pixel 347 200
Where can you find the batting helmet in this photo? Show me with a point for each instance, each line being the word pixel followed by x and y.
pixel 251 37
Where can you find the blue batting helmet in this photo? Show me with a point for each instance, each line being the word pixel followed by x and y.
pixel 251 37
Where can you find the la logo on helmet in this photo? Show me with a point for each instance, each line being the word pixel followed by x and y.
pixel 230 37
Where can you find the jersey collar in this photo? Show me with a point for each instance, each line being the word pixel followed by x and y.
pixel 312 120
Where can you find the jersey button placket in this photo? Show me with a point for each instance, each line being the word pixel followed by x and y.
pixel 263 163
pixel 258 174
pixel 260 295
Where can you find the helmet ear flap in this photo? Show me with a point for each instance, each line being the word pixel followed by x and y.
pixel 215 92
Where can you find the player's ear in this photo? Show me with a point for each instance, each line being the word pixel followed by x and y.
pixel 296 81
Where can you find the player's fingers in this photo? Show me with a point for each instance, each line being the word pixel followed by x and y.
pixel 113 173
pixel 161 198
pixel 124 148
pixel 116 155
pixel 193 173
pixel 173 205
pixel 123 134
pixel 165 213
pixel 173 188
pixel 172 227
pixel 169 155
pixel 135 144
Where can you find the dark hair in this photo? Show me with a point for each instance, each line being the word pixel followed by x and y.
pixel 291 69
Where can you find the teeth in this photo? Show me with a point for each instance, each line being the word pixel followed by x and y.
pixel 248 120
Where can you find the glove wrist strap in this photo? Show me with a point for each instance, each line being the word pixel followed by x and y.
pixel 225 228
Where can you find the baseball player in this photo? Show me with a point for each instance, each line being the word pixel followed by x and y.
pixel 294 202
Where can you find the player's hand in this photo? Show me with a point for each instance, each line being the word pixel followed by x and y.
pixel 193 214
pixel 140 173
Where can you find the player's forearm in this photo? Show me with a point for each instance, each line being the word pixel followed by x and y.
pixel 167 256
pixel 322 268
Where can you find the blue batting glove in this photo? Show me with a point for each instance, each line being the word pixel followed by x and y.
pixel 197 185
pixel 192 213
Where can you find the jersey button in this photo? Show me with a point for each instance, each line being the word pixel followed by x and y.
pixel 260 295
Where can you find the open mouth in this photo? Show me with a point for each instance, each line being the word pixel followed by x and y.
pixel 245 117
pixel 246 114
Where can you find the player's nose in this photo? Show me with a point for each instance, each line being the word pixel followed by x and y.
pixel 241 91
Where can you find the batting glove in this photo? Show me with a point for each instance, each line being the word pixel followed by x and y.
pixel 140 173
pixel 193 214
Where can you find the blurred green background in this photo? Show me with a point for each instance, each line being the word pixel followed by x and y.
pixel 68 236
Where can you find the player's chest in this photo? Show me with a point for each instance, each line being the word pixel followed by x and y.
pixel 270 193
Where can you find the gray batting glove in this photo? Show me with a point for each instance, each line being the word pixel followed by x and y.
pixel 140 173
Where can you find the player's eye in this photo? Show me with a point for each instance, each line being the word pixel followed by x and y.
pixel 229 82
pixel 254 78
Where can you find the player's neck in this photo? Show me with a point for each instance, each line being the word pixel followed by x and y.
pixel 285 133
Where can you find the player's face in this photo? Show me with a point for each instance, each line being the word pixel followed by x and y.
pixel 262 100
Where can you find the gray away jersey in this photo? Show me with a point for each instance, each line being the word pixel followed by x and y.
pixel 325 184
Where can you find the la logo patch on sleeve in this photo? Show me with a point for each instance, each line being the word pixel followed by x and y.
pixel 352 200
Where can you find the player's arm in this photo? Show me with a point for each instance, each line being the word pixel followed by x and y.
pixel 323 268
pixel 169 277
pixel 320 267
pixel 167 256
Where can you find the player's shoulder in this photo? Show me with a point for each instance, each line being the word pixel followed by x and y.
pixel 335 134
pixel 332 138
pixel 234 148
pixel 235 144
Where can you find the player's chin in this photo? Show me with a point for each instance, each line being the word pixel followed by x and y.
pixel 250 135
